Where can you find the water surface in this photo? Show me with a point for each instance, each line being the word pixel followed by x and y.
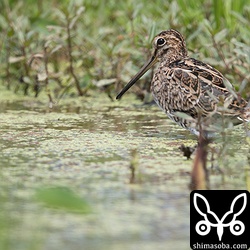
pixel 84 145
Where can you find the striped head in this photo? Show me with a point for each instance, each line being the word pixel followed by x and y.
pixel 168 46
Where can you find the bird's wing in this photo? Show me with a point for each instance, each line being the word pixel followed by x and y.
pixel 207 87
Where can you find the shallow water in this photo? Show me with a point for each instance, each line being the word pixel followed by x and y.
pixel 85 145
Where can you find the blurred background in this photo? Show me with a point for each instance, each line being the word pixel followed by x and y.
pixel 72 47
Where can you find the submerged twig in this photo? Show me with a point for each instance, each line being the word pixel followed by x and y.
pixel 133 166
pixel 199 174
pixel 71 68
pixel 47 76
pixel 187 151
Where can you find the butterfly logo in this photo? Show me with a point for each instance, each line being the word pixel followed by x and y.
pixel 236 227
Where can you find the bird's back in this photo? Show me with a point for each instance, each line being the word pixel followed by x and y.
pixel 195 89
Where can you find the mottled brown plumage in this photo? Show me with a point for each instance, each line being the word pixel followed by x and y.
pixel 192 93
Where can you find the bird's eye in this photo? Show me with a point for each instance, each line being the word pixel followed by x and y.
pixel 160 41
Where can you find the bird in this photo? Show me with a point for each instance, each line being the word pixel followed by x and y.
pixel 192 93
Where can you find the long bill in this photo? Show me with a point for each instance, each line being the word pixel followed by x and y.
pixel 141 72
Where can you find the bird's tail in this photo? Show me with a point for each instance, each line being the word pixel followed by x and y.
pixel 245 115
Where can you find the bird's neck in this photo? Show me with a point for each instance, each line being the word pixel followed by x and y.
pixel 171 56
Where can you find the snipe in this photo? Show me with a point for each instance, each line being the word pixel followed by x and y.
pixel 190 92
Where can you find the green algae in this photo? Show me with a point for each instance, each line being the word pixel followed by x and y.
pixel 84 145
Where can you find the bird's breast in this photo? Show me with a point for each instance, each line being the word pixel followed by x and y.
pixel 168 93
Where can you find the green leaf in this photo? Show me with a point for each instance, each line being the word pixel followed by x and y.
pixel 56 48
pixel 220 35
pixel 229 87
pixel 73 21
pixel 27 80
pixel 218 10
pixel 62 198
pixel 152 32
pixel 16 59
pixel 61 15
pixel 105 82
pixel 183 115
pixel 80 10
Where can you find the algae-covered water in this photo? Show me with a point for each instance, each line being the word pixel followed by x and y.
pixel 65 175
